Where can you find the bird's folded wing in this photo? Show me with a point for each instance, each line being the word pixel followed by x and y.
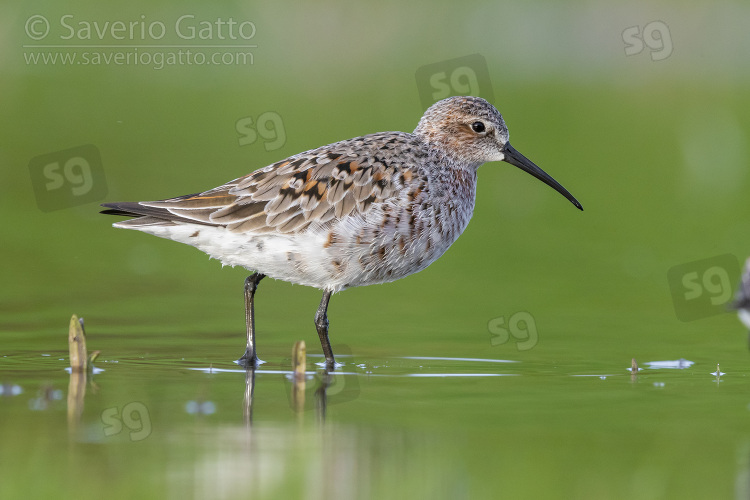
pixel 332 182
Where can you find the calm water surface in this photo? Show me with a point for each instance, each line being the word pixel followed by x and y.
pixel 153 425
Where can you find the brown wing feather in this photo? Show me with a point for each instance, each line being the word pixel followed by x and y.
pixel 289 195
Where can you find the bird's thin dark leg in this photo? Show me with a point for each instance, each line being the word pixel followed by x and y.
pixel 250 358
pixel 321 324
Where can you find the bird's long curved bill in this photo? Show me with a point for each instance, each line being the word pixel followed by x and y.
pixel 515 158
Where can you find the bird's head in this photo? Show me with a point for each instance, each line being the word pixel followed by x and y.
pixel 472 132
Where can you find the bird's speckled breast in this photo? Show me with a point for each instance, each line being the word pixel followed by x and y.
pixel 408 232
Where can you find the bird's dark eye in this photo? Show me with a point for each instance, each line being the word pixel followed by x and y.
pixel 477 127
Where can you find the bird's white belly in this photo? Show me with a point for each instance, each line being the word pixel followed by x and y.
pixel 310 258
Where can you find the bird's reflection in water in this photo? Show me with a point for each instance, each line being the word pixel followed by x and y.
pixel 247 404
pixel 324 379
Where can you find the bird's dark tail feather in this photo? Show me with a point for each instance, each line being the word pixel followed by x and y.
pixel 145 215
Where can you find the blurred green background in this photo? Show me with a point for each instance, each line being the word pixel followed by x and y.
pixel 653 144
